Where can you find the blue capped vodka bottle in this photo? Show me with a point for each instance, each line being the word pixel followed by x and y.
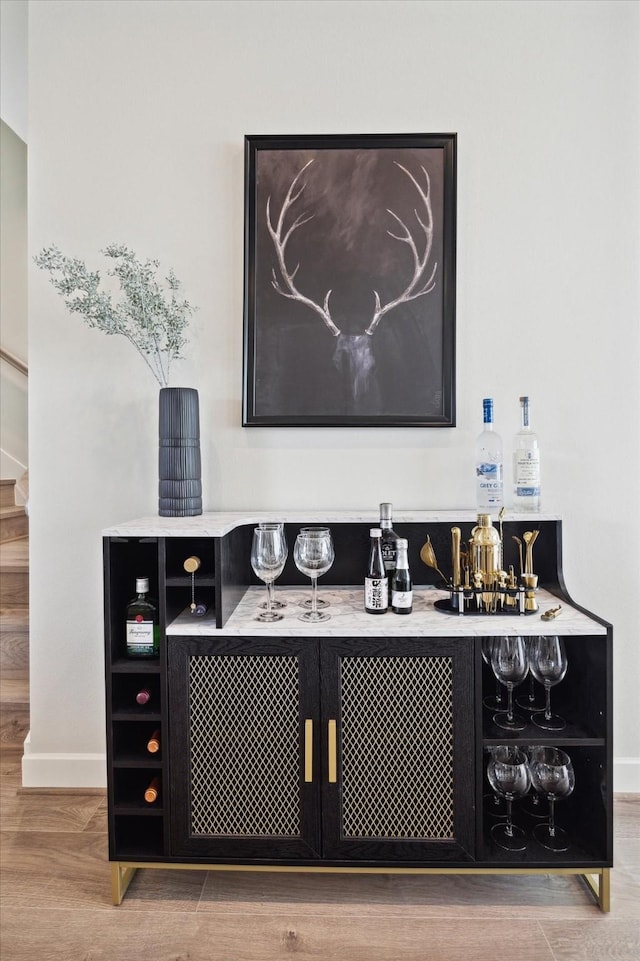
pixel 489 464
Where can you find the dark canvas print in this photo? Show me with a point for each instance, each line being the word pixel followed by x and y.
pixel 350 281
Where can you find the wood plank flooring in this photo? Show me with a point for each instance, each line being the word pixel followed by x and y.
pixel 56 895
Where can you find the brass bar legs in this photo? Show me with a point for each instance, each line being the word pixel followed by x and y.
pixel 598 880
pixel 600 886
pixel 121 878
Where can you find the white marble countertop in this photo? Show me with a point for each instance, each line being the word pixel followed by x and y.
pixel 216 524
pixel 349 619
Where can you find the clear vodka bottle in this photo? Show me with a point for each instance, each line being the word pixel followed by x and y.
pixel 489 464
pixel 526 464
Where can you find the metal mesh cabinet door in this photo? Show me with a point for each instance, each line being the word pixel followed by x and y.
pixel 241 746
pixel 399 723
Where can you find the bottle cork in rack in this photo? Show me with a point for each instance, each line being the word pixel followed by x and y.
pixel 152 793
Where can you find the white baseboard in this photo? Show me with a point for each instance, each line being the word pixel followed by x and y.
pixel 62 770
pixel 90 770
pixel 626 775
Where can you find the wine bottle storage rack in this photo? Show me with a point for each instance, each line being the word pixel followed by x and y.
pixel 130 739
pixel 178 549
pixel 139 831
pixel 179 583
pixel 127 559
pixel 130 785
pixel 125 687
pixel 137 836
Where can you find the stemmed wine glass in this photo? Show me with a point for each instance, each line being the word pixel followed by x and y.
pixel 508 774
pixel 492 701
pixel 509 664
pixel 321 602
pixel 528 700
pixel 278 526
pixel 532 805
pixel 548 665
pixel 494 804
pixel 314 555
pixel 268 556
pixel 553 777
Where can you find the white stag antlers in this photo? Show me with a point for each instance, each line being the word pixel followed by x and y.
pixel 280 243
pixel 416 287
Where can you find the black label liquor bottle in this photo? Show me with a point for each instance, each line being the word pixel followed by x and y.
pixel 376 583
pixel 389 538
pixel 142 624
pixel 401 587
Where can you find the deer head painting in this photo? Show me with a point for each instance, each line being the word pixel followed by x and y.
pixel 350 281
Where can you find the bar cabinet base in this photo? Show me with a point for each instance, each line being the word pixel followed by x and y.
pixel 597 880
pixel 361 746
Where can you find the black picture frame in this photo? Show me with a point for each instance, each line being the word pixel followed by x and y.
pixel 350 281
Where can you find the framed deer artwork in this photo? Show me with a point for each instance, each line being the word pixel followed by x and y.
pixel 350 281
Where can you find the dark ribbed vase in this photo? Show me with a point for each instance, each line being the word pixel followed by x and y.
pixel 180 484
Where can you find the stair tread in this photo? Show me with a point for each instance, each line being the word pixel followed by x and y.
pixel 14 555
pixel 12 510
pixel 14 618
pixel 14 689
pixel 14 524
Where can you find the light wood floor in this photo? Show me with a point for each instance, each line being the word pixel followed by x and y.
pixel 56 894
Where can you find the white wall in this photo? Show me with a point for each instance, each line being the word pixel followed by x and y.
pixel 137 116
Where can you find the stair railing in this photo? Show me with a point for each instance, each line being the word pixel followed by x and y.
pixel 14 361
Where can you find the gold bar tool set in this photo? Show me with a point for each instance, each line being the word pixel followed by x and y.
pixel 478 583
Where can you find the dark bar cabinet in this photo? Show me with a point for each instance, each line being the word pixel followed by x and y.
pixel 358 744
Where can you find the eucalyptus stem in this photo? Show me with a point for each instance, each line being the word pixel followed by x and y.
pixel 152 322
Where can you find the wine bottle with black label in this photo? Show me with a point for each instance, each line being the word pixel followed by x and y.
pixel 401 587
pixel 389 538
pixel 376 583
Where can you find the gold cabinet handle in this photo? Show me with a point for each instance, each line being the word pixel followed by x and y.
pixel 308 750
pixel 333 752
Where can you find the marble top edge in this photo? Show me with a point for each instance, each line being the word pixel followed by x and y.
pixel 219 523
pixel 349 619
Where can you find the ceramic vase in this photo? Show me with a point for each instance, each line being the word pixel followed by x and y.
pixel 179 465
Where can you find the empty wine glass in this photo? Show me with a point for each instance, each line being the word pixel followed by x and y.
pixel 528 700
pixel 279 526
pixel 268 556
pixel 548 665
pixel 321 602
pixel 494 805
pixel 553 777
pixel 509 664
pixel 508 774
pixel 313 554
pixel 492 701
pixel 532 805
